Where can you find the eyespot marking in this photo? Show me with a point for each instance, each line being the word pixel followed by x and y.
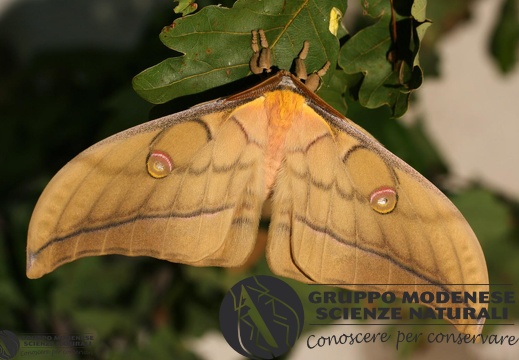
pixel 383 199
pixel 159 164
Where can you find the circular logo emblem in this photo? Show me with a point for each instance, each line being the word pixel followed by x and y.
pixel 261 317
pixel 9 345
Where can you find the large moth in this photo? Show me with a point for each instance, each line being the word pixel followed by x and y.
pixel 189 188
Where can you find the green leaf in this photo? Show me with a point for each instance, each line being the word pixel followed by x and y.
pixel 418 10
pixel 389 62
pixel 185 7
pixel 487 216
pixel 333 94
pixel 505 37
pixel 216 43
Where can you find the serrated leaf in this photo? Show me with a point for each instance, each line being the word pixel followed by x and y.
pixel 418 10
pixel 389 61
pixel 505 37
pixel 333 94
pixel 216 44
pixel 420 31
pixel 185 7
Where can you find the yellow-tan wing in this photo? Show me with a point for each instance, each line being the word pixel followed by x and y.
pixel 326 228
pixel 186 188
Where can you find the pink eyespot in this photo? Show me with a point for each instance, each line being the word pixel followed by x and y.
pixel 159 164
pixel 383 199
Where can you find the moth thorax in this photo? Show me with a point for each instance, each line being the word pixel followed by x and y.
pixel 281 107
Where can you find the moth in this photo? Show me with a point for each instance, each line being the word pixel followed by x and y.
pixel 189 188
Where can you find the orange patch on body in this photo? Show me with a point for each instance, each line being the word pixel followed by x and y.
pixel 281 107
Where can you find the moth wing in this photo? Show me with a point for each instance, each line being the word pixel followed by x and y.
pixel 324 229
pixel 205 212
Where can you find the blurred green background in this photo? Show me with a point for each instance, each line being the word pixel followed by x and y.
pixel 65 83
